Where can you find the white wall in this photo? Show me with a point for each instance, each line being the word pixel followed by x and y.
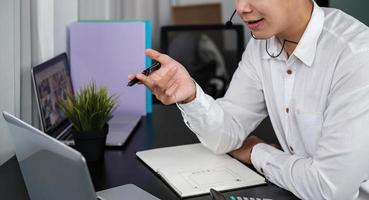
pixel 97 9
pixel 9 65
pixel 66 12
pixel 50 20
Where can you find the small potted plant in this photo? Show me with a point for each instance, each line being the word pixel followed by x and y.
pixel 89 113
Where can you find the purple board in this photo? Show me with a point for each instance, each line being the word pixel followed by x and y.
pixel 107 52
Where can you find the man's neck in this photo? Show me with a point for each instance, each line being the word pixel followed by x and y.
pixel 297 28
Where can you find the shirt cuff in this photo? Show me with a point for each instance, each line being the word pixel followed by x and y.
pixel 199 105
pixel 260 155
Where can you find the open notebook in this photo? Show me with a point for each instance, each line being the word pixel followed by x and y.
pixel 192 169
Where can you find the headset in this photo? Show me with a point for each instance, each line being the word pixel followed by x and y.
pixel 229 24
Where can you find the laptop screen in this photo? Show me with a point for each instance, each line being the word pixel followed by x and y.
pixel 52 83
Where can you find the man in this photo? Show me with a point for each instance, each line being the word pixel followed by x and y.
pixel 308 69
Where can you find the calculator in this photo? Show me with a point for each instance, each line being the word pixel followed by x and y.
pixel 215 195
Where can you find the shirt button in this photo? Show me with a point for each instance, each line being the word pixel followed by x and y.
pixel 289 72
pixel 291 149
pixel 287 110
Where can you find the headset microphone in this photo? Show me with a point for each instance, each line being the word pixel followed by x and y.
pixel 229 23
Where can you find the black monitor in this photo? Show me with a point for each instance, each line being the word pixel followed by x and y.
pixel 210 53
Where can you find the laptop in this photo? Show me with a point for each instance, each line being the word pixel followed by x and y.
pixel 52 170
pixel 52 83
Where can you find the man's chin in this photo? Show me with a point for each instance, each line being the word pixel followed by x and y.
pixel 260 35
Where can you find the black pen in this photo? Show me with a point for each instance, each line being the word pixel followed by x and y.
pixel 145 72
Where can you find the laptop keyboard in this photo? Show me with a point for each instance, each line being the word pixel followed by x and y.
pixel 67 136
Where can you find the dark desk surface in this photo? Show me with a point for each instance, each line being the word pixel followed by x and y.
pixel 164 127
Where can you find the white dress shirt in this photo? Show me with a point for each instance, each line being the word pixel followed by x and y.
pixel 317 100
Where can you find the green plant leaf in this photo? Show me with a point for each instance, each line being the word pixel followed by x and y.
pixel 90 109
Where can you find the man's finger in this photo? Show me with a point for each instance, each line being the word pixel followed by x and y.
pixel 162 58
pixel 145 80
pixel 166 77
pixel 171 91
pixel 170 95
pixel 131 76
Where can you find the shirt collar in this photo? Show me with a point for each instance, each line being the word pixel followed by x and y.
pixel 306 49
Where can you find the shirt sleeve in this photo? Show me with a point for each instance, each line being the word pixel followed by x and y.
pixel 340 164
pixel 223 124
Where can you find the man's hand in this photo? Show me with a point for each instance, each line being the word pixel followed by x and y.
pixel 244 152
pixel 171 83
